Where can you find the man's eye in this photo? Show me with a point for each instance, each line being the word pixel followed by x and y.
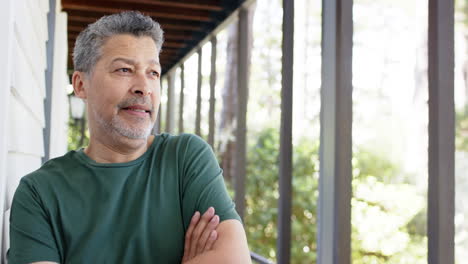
pixel 155 73
pixel 124 70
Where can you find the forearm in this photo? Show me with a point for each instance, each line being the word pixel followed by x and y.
pixel 214 257
pixel 231 246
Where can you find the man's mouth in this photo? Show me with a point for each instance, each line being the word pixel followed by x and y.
pixel 137 110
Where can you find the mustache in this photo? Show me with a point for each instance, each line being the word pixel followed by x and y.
pixel 136 101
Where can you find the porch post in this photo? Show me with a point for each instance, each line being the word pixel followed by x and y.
pixel 241 131
pixel 199 84
pixel 212 92
pixel 157 124
pixel 334 209
pixel 170 103
pixel 285 164
pixel 181 99
pixel 441 185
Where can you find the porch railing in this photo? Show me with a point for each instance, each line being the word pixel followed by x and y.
pixel 259 259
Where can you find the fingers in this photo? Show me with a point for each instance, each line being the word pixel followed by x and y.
pixel 211 239
pixel 188 236
pixel 201 234
pixel 209 228
pixel 198 231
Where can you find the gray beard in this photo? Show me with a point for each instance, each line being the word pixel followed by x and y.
pixel 117 126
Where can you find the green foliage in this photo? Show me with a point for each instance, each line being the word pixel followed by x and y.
pixel 367 163
pixel 388 216
pixel 75 136
pixel 304 202
pixel 461 141
pixel 262 193
pixel 388 223
pixel 262 197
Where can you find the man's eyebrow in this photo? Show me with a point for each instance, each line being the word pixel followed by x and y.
pixel 125 60
pixel 132 62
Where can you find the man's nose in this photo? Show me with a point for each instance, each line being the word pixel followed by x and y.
pixel 141 86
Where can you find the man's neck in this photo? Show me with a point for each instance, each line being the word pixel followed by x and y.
pixel 111 151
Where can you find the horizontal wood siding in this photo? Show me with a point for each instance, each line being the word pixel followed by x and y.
pixel 26 88
pixel 6 31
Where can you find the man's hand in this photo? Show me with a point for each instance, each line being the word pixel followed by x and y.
pixel 201 234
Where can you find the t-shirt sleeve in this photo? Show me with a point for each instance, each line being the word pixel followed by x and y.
pixel 31 236
pixel 203 182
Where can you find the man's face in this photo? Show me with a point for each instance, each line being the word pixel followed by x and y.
pixel 123 89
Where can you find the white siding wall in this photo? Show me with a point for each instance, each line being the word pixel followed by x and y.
pixel 6 31
pixel 22 92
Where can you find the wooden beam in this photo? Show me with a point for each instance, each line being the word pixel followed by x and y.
pixel 75 19
pixel 171 34
pixel 171 49
pixel 168 44
pixel 174 45
pixel 82 19
pixel 177 26
pixel 167 52
pixel 108 7
pixel 200 5
pixel 75 30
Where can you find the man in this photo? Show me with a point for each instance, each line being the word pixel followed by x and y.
pixel 128 197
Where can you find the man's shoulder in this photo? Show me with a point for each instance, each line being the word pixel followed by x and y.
pixel 53 168
pixel 183 140
pixel 179 137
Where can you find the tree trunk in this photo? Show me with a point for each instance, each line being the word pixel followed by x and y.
pixel 227 126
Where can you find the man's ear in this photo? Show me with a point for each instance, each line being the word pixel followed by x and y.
pixel 79 84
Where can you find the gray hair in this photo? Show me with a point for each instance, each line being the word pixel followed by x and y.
pixel 88 44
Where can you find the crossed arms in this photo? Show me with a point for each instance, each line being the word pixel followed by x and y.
pixel 229 241
pixel 207 241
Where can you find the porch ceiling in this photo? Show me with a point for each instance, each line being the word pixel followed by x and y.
pixel 185 22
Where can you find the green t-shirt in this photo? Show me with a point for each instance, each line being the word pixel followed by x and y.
pixel 74 210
